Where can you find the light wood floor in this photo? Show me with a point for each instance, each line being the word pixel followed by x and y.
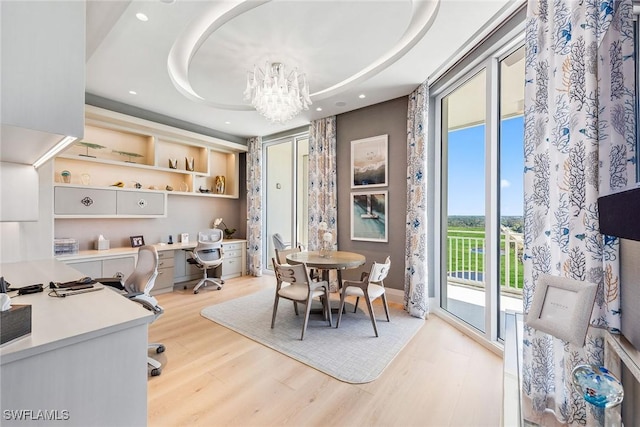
pixel 213 376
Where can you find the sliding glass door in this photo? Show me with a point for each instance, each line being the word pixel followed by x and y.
pixel 286 195
pixel 481 192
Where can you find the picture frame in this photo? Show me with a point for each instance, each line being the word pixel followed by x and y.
pixel 136 241
pixel 370 162
pixel 562 307
pixel 369 213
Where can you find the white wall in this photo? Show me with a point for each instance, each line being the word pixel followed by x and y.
pixel 22 241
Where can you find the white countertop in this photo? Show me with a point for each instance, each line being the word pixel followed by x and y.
pixel 116 252
pixel 58 322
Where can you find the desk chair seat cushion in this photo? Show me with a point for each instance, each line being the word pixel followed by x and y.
pixel 300 292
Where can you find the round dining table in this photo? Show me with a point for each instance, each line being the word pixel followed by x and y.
pixel 334 260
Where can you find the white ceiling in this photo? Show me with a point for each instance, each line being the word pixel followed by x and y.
pixel 382 49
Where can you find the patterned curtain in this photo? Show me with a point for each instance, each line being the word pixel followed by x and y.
pixel 416 291
pixel 254 206
pixel 579 145
pixel 323 193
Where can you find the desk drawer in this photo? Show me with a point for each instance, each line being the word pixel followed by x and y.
pixel 231 266
pixel 164 279
pixel 237 253
pixel 166 261
pixel 228 247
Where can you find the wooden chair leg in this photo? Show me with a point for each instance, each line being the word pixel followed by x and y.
pixel 355 307
pixel 328 305
pixel 386 306
pixel 275 309
pixel 307 310
pixel 341 307
pixel 373 317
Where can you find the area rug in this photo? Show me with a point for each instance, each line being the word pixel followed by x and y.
pixel 351 353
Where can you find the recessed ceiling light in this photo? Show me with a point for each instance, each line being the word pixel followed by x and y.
pixel 142 17
pixel 362 95
pixel 133 92
pixel 319 109
pixel 227 122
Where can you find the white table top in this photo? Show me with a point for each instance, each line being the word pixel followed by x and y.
pixel 118 252
pixel 58 322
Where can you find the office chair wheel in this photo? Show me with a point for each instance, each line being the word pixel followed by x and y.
pixel 160 349
pixel 195 292
pixel 185 287
pixel 155 372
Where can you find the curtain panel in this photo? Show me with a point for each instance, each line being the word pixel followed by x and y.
pixel 579 145
pixel 416 290
pixel 254 206
pixel 323 192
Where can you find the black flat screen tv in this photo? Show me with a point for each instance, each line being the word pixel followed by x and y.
pixel 620 214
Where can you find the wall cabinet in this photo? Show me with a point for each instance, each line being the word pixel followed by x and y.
pixel 81 202
pixel 152 156
pixel 43 77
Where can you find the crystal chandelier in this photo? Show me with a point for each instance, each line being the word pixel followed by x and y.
pixel 275 95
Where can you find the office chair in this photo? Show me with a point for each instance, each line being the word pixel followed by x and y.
pixel 137 287
pixel 206 255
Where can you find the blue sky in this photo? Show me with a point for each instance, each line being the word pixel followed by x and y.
pixel 466 169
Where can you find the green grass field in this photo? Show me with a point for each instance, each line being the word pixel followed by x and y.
pixel 465 257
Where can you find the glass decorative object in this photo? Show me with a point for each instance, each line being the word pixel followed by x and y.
pixel 220 184
pixel 66 176
pixel 597 385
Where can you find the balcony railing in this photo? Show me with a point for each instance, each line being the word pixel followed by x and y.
pixel 466 259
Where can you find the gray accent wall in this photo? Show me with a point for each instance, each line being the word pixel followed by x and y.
pixel 388 118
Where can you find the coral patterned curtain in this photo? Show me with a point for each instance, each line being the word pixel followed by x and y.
pixel 323 192
pixel 254 206
pixel 416 291
pixel 579 145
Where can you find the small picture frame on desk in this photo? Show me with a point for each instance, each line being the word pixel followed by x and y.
pixel 136 241
pixel 562 307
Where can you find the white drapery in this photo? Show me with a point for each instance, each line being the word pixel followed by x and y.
pixel 254 206
pixel 323 192
pixel 416 290
pixel 579 145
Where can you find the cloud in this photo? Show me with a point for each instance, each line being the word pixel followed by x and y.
pixel 504 183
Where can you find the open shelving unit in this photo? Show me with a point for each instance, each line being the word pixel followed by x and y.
pixel 137 152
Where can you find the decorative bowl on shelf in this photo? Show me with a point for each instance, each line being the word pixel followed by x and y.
pixel 597 385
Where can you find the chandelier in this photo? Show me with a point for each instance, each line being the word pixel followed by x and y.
pixel 275 95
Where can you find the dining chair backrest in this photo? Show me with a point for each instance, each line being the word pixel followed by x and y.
pixel 292 273
pixel 281 254
pixel 379 271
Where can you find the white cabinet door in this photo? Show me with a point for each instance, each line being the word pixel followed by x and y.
pixel 84 201
pixel 140 203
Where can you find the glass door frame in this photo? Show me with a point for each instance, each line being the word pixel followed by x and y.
pixel 294 139
pixel 490 63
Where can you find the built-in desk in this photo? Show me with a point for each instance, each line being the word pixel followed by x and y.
pixel 85 362
pixel 173 266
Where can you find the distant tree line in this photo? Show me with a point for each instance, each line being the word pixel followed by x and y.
pixel 515 223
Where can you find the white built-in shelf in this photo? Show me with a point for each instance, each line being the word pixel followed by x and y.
pixel 152 146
